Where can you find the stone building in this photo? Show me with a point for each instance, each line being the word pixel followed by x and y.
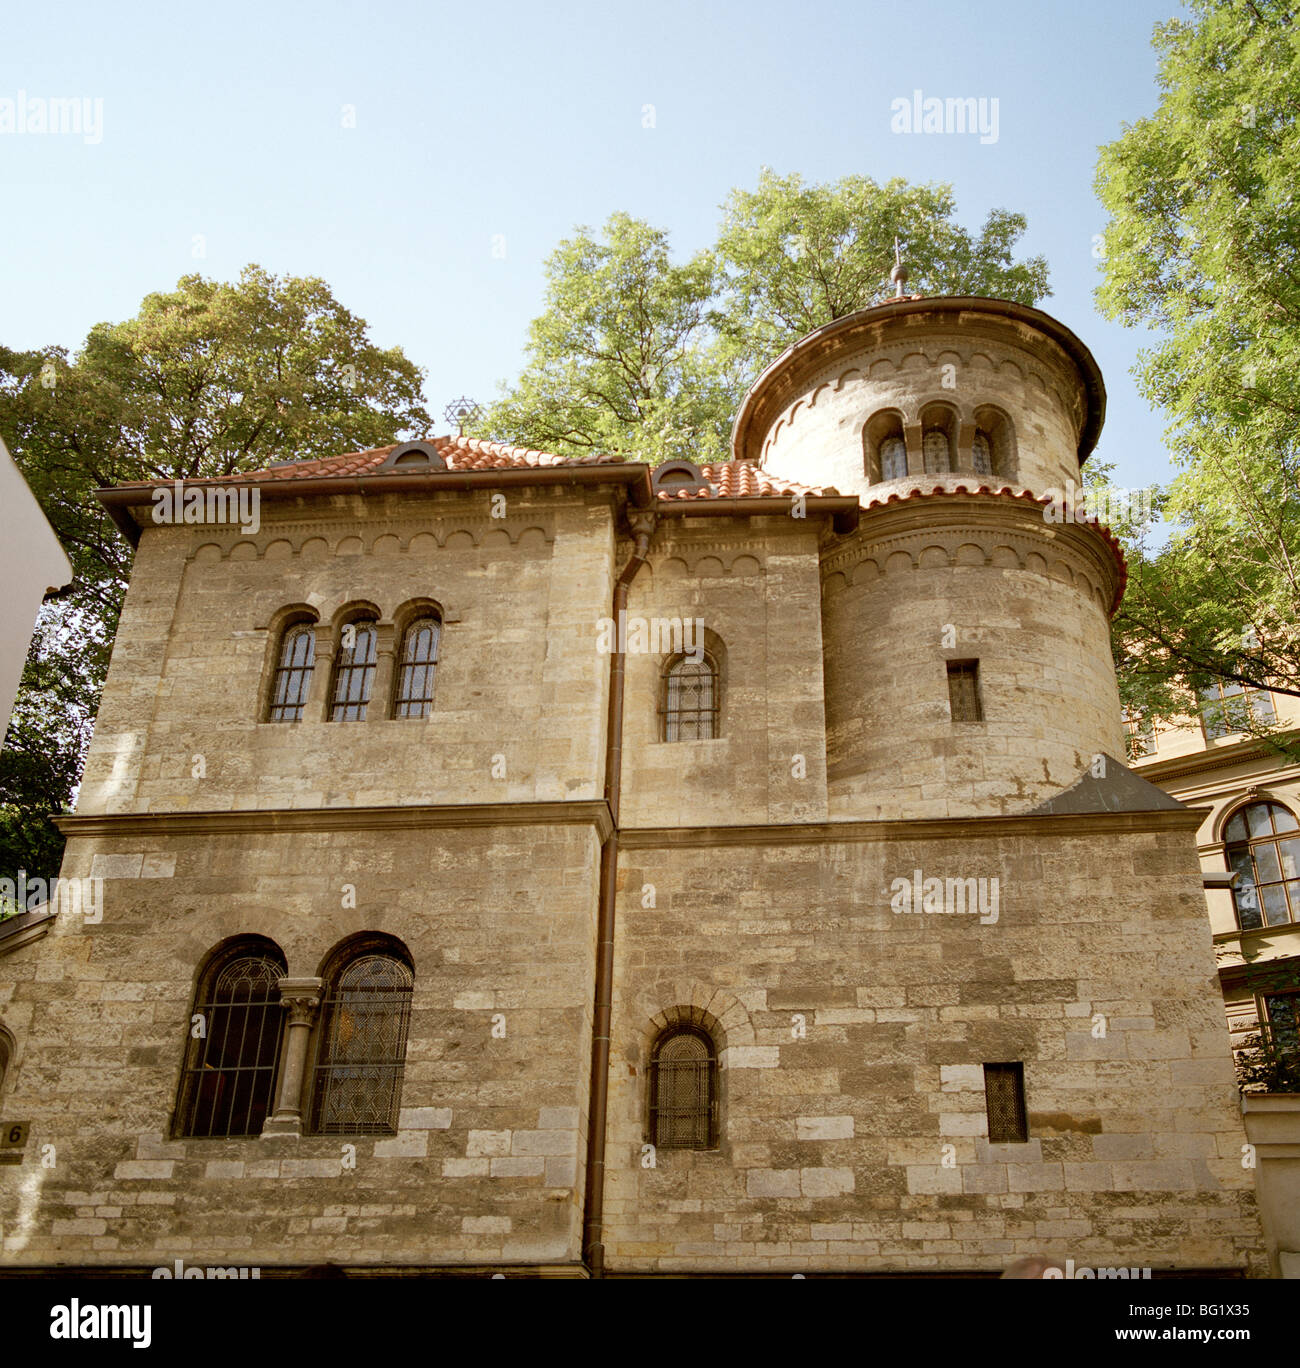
pixel 516 864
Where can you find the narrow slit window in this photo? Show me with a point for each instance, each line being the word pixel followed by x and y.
pixel 964 691
pixel 354 673
pixel 293 674
pixel 1004 1099
pixel 419 657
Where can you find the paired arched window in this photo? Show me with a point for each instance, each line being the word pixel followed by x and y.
pixel 293 673
pixel 1262 842
pixel 234 1046
pixel 691 698
pixel 419 656
pixel 684 1089
pixel 361 1045
pixel 354 671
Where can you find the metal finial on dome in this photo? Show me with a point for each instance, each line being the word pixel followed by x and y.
pixel 899 274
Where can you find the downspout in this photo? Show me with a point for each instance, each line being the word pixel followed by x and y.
pixel 593 1248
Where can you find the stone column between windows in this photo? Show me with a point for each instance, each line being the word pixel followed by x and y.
pixel 965 453
pixel 915 456
pixel 381 691
pixel 317 706
pixel 301 998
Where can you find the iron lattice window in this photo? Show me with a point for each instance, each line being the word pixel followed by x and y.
pixel 1262 842
pixel 981 451
pixel 364 1024
pixel 964 691
pixel 935 449
pixel 1004 1099
pixel 690 707
pixel 893 459
pixel 293 674
pixel 419 656
pixel 1228 708
pixel 354 673
pixel 683 1091
pixel 231 1067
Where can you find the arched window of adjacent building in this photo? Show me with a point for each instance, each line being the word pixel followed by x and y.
pixel 1262 842
pixel 293 671
pixel 691 698
pixel 683 1089
pixel 993 447
pixel 234 1042
pixel 361 1041
pixel 354 670
pixel 1227 708
pixel 419 656
pixel 939 439
pixel 884 453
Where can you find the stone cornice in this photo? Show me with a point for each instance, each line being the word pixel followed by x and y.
pixel 930 828
pixel 401 817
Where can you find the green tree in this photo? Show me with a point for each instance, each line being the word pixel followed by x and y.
pixel 635 354
pixel 207 380
pixel 1203 245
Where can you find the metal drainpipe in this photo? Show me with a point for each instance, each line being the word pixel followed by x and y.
pixel 593 1248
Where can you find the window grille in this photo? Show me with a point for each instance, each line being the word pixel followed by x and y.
pixel 982 454
pixel 690 708
pixel 419 656
pixel 964 691
pixel 683 1091
pixel 364 1023
pixel 231 1067
pixel 1004 1099
pixel 293 674
pixel 934 447
pixel 893 459
pixel 354 673
pixel 1262 842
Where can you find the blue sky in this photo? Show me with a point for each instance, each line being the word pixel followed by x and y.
pixel 223 131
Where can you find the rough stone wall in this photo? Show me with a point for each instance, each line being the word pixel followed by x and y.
pixel 863 1145
pixel 499 922
pixel 519 676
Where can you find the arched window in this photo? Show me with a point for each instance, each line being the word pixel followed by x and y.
pixel 361 1047
pixel 234 1043
pixel 354 672
pixel 683 1090
pixel 893 459
pixel 993 448
pixel 293 673
pixel 935 449
pixel 1262 842
pixel 982 454
pixel 691 699
pixel 419 655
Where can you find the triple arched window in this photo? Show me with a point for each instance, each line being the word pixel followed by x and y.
pixel 238 1035
pixel 1262 843
pixel 991 451
pixel 357 667
pixel 684 1089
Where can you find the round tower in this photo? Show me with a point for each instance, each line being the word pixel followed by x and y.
pixel 965 622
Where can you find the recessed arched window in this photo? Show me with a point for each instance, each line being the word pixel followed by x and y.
pixel 982 453
pixel 293 673
pixel 683 1090
pixel 939 439
pixel 234 1042
pixel 893 459
pixel 354 671
pixel 935 450
pixel 1262 842
pixel 993 447
pixel 419 656
pixel 691 698
pixel 884 453
pixel 361 1049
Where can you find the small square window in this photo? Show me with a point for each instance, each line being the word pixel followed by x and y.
pixel 964 691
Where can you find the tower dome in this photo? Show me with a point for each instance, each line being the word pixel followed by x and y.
pixel 966 621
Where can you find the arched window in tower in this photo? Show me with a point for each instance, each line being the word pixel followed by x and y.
pixel 419 656
pixel 934 448
pixel 982 454
pixel 293 673
pixel 893 459
pixel 993 448
pixel 691 698
pixel 234 1043
pixel 361 1052
pixel 1262 843
pixel 683 1090
pixel 354 671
